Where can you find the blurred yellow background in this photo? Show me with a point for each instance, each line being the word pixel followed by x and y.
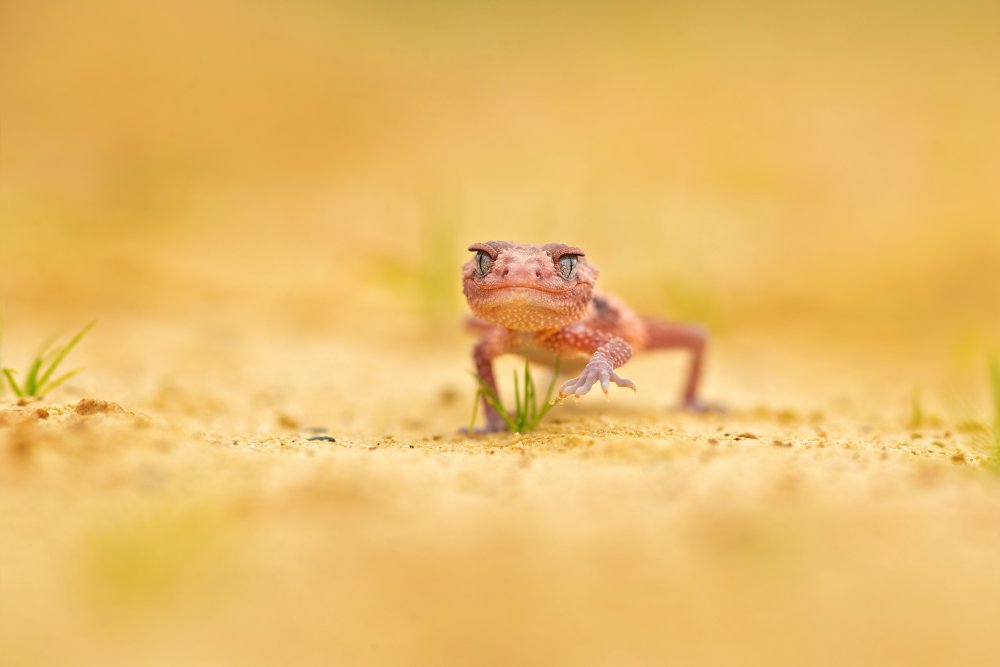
pixel 266 205
pixel 774 165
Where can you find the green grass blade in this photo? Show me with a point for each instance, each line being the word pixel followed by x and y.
pixel 506 416
pixel 527 413
pixel 31 379
pixel 9 374
pixel 529 397
pixel 517 398
pixel 475 409
pixel 58 381
pixel 549 403
pixel 493 400
pixel 491 396
pixel 65 351
pixel 529 388
pixel 44 349
pixel 483 387
pixel 46 355
pixel 518 405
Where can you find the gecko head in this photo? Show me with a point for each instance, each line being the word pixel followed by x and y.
pixel 528 287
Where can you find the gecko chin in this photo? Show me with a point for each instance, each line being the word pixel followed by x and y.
pixel 530 309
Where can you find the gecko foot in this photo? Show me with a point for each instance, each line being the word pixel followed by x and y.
pixel 703 407
pixel 596 371
pixel 492 426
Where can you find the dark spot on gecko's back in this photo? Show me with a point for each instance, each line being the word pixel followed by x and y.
pixel 604 312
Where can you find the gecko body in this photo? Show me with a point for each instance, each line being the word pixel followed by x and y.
pixel 539 301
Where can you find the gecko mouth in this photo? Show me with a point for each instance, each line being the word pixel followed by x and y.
pixel 529 307
pixel 534 288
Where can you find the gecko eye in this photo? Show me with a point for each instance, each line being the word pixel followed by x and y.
pixel 483 263
pixel 567 266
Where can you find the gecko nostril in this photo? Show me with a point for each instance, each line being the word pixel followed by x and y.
pixel 538 274
pixel 505 272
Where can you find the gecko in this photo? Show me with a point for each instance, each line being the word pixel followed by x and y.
pixel 539 301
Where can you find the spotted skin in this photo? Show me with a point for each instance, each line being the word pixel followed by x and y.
pixel 540 302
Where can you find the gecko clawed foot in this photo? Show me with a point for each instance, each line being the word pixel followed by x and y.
pixel 494 424
pixel 596 371
pixel 703 407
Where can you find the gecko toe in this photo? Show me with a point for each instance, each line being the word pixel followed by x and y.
pixel 587 383
pixel 622 382
pixel 582 384
pixel 568 388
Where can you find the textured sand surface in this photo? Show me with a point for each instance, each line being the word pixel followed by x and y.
pixel 197 524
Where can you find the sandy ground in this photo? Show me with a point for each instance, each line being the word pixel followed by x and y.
pixel 189 520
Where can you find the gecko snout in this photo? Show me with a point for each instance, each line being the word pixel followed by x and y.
pixel 522 273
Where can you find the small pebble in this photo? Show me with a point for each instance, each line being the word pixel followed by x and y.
pixel 286 420
pixel 323 438
pixel 90 406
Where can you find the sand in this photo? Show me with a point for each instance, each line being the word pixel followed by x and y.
pixel 197 523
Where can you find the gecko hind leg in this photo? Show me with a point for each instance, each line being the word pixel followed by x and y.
pixel 662 335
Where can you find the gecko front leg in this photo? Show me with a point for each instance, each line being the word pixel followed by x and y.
pixel 608 353
pixel 495 342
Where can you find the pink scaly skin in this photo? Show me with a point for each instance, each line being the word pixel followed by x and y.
pixel 540 302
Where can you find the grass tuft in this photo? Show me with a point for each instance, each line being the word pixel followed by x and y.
pixel 528 412
pixel 38 380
